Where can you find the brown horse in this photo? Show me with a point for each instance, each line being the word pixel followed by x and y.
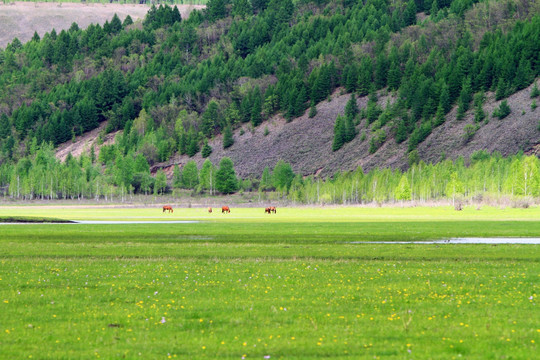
pixel 225 209
pixel 168 208
pixel 210 210
pixel 270 209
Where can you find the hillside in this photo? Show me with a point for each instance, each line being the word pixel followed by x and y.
pixel 273 81
pixel 307 142
pixel 21 19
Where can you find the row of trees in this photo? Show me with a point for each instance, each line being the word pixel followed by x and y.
pixel 115 175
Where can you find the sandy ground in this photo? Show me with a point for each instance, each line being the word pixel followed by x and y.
pixel 22 19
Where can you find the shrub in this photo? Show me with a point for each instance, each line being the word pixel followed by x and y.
pixel 469 131
pixel 502 111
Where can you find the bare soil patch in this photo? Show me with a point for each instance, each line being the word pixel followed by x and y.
pixel 22 19
pixel 84 143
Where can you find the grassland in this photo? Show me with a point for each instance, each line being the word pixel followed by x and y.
pixel 252 285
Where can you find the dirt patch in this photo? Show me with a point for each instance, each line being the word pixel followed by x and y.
pixel 84 143
pixel 22 19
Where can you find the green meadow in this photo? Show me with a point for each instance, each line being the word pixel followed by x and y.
pixel 304 283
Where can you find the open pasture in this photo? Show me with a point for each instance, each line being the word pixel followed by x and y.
pixel 288 285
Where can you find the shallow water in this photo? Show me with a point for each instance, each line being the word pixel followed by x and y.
pixel 123 222
pixel 471 240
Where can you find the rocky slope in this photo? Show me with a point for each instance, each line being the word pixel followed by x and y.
pixel 307 143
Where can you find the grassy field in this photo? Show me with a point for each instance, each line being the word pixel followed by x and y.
pixel 255 286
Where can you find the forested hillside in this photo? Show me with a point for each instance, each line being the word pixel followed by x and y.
pixel 176 85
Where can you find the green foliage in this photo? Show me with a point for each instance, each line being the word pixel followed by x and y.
pixel 215 9
pixel 227 137
pixel 403 190
pixel 177 177
pixel 312 110
pixel 419 134
pixel 207 176
pixel 266 180
pixel 206 149
pixel 502 111
pixel 190 175
pixel 226 181
pixel 376 141
pixel 282 176
pixel 535 92
pixel 468 132
pixel 161 183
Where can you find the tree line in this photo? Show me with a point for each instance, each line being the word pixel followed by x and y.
pixel 114 176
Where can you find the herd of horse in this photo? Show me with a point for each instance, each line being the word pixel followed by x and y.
pixel 224 209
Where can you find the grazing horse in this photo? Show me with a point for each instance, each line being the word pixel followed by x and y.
pixel 267 210
pixel 168 208
pixel 225 209
pixel 210 210
pixel 272 209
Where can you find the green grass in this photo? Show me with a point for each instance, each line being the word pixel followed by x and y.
pixel 289 285
pixel 31 219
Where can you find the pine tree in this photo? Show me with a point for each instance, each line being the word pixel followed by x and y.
pixel 312 110
pixel 365 76
pixel 206 149
pixel 193 143
pixel 227 137
pixel 216 10
pixel 210 119
pixel 524 74
pixel 394 75
pixel 351 109
pixel 434 9
pixel 401 132
pixel 502 111
pixel 535 92
pixel 127 21
pixel 339 134
pixel 439 116
pixel 501 91
pixel 444 99
pixel 256 118
pixel 350 130
pixel 409 16
pixel 115 25
pixel 479 114
pixel 465 96
pixel 351 78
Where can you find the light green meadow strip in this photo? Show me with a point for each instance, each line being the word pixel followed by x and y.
pixel 290 214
